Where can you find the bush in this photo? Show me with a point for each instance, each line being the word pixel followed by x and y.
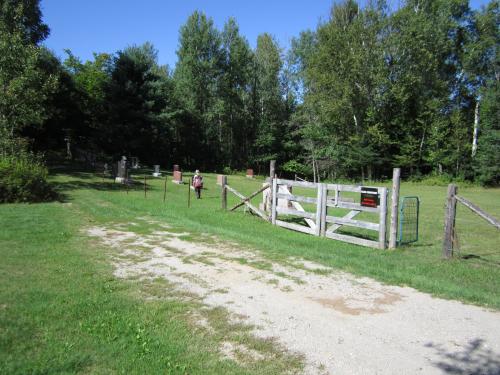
pixel 23 178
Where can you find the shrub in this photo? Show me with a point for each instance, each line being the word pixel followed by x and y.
pixel 23 178
pixel 227 171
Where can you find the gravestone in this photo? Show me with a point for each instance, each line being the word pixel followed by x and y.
pixel 157 173
pixel 121 170
pixel 176 167
pixel 177 177
pixel 219 179
pixel 134 162
pixel 106 169
pixel 250 173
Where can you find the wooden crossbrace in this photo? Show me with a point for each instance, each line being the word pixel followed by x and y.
pixel 247 199
pixel 283 189
pixel 247 203
pixel 349 215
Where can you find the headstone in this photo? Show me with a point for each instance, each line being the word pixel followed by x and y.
pixel 250 173
pixel 157 173
pixel 121 170
pixel 176 167
pixel 177 177
pixel 106 168
pixel 134 161
pixel 219 179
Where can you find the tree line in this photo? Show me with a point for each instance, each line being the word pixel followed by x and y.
pixel 369 89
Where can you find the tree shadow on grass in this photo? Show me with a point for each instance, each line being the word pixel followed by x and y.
pixel 63 188
pixel 480 259
pixel 475 359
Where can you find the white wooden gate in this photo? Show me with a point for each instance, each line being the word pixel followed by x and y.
pixel 322 222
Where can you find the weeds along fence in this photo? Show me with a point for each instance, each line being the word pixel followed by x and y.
pixel 450 241
pixel 283 207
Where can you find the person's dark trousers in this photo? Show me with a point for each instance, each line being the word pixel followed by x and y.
pixel 198 192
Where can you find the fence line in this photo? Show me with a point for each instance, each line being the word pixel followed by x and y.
pixel 450 236
pixel 319 222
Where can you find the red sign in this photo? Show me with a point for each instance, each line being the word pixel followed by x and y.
pixel 369 197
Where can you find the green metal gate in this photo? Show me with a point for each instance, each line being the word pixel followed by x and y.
pixel 408 220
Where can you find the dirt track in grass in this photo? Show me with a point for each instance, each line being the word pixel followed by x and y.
pixel 337 322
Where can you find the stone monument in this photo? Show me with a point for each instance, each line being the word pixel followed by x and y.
pixel 121 171
pixel 134 161
pixel 157 172
pixel 219 179
pixel 250 173
pixel 177 177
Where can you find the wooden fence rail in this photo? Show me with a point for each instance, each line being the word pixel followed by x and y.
pixel 450 215
pixel 320 222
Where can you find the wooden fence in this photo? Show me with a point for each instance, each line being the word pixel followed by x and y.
pixel 322 222
pixel 450 234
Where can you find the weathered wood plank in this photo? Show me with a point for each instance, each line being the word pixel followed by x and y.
pixel 393 231
pixel 274 200
pixel 289 211
pixel 350 215
pixel 250 197
pixel 296 227
pixel 352 206
pixel 257 211
pixel 449 221
pixel 353 223
pixel 235 192
pixel 351 188
pixel 486 216
pixel 224 192
pixel 305 184
pixel 322 221
pixel 382 218
pixel 351 239
pixel 297 198
pixel 319 209
pixel 286 194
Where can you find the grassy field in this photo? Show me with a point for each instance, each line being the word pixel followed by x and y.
pixel 62 311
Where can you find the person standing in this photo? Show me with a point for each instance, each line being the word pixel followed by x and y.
pixel 197 183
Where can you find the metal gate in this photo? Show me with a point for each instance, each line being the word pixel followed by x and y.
pixel 408 220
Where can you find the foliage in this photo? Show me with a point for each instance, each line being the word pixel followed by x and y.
pixel 23 178
pixel 369 89
pixel 25 85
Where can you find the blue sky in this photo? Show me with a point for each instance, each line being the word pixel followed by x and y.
pixel 91 26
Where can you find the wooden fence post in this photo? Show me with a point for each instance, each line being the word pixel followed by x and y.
pixel 382 219
pixel 393 232
pixel 144 186
pixel 324 199
pixel 224 192
pixel 274 200
pixel 272 168
pixel 449 221
pixel 189 194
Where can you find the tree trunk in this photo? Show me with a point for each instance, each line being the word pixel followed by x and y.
pixel 314 170
pixel 476 129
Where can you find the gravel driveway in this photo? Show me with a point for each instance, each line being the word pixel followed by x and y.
pixel 339 323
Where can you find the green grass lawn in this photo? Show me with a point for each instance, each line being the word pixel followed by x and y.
pixel 62 311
